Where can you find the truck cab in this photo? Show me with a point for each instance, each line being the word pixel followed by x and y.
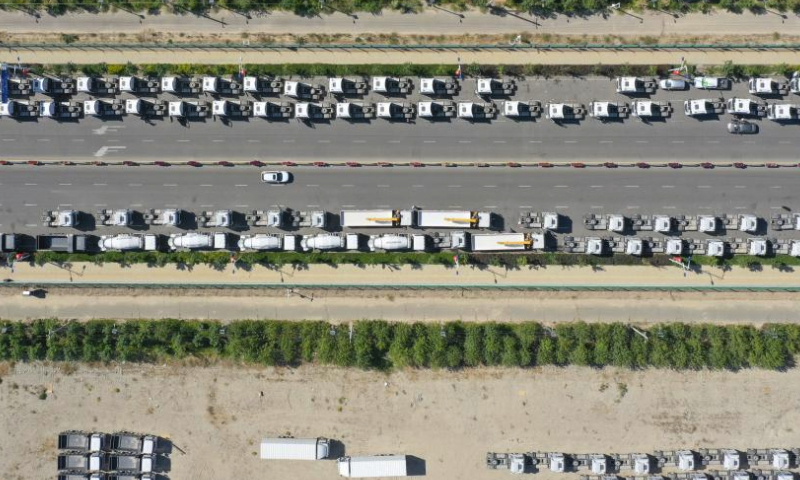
pixel 651 109
pixel 746 107
pixel 96 86
pixel 145 108
pixel 140 85
pixel 221 86
pixel 181 85
pixel 189 109
pixel 434 87
pixel 355 110
pixel 392 85
pixel 314 111
pixel 163 217
pixel 635 85
pixel 783 112
pixel 434 110
pixel 232 108
pixel 21 109
pixel 262 85
pixel 20 87
pixel 104 108
pixel 565 111
pixel 61 110
pixel 395 111
pixel 522 109
pixel 477 110
pixel 347 86
pixel 767 86
pixel 273 110
pixel 113 218
pixel 603 110
pixel 197 241
pixel 304 91
pixel 495 87
pixel 215 219
pixel 703 107
pixel 125 242
pixel 61 218
pixel 54 86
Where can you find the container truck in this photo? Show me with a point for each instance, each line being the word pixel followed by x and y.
pixel 494 242
pixel 453 219
pixel 376 218
pixel 373 466
pixel 295 448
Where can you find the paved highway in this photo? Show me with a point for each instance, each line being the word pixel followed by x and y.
pixel 26 191
pixel 678 138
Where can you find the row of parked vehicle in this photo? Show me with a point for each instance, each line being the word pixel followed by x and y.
pixel 119 456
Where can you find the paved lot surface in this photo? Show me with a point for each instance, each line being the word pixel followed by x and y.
pixel 403 306
pixel 431 22
pixel 27 191
pixel 218 415
pixel 678 138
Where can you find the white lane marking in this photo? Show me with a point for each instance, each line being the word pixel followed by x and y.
pixel 348 185
pixel 148 140
pixel 253 141
pixel 704 186
pixel 499 141
pixel 9 139
pixel 417 186
pixel 393 141
pixel 570 141
pixel 561 206
pixel 560 186
pixel 595 186
pixel 67 205
pixel 102 151
pixel 534 141
pixel 670 207
pixel 312 206
pixel 31 225
pixel 30 184
pixel 429 141
pixel 242 206
pixel 323 141
pixel 136 204
pixel 454 186
pixel 597 206
pixel 667 186
pixel 240 185
pixel 134 184
pixel 489 186
pixel 348 206
pixel 454 206
pixel 100 184
pixel 739 186
pixel 631 186
pixel 524 186
pixel 217 140
pixel 288 141
pixel 785 142
pixel 383 186
pixel 171 205
pixel 100 205
pixel 78 140
pixel 526 206
pixel 606 141
pixel 776 208
pixel 775 186
pixel 749 141
pixel 182 141
pixel 490 206
pixel 312 185
pixel 632 207
pixel 42 139
pixel 712 141
pixel 206 206
pixel 383 206
pixel 705 208
pixel 359 141
pixel 65 184
pixel 206 185
pixel 30 204
pixel 465 141
pixel 170 184
pixel 740 208
pixel 678 141
pixel 641 141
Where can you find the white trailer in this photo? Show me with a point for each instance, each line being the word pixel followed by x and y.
pixel 394 241
pixel 373 466
pixel 376 218
pixel 266 241
pixel 453 219
pixel 496 242
pixel 126 241
pixel 295 448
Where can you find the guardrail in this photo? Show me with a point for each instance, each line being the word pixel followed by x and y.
pixel 398 287
pixel 359 46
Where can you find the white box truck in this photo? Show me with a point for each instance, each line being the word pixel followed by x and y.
pixel 453 219
pixel 373 466
pixel 295 448
pixel 375 218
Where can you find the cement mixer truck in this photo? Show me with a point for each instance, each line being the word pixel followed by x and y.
pixel 393 241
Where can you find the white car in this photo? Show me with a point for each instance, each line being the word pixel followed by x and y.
pixel 672 84
pixel 276 177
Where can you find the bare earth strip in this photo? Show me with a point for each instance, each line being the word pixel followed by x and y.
pixel 217 415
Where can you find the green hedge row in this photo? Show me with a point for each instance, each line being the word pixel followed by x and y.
pixel 371 344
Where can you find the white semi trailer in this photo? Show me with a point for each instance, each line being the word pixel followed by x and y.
pixel 295 448
pixel 376 218
pixel 453 219
pixel 375 466
pixel 498 242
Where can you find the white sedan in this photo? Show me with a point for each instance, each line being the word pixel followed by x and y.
pixel 276 177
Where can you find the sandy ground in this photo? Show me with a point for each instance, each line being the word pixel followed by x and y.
pixel 402 305
pixel 217 415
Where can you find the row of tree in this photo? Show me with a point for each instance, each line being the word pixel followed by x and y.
pixel 372 344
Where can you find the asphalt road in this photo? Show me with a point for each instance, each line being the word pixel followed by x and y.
pixel 678 138
pixel 26 191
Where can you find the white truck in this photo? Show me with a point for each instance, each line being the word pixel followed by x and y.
pixel 604 110
pixel 497 242
pixel 477 110
pixel 181 85
pixel 60 218
pixel 83 441
pixel 347 86
pixel 126 241
pixel 301 90
pixel 295 448
pixel 376 218
pixel 140 85
pixel 355 110
pixel 703 107
pixel 522 109
pixel 197 241
pixel 746 107
pixel 167 217
pixel 565 111
pixel 783 112
pixel 215 219
pixel 145 108
pixel 433 110
pixel 452 219
pixel 396 241
pixel 113 218
pixel 329 241
pixel 104 108
pixel 273 110
pixel 262 85
pixel 373 466
pixel 635 85
pixel 494 86
pixel 767 86
pixel 267 241
pixel 438 86
pixel 651 109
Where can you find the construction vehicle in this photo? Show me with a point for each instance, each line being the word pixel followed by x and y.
pixel 707 223
pixel 757 247
pixel 614 244
pixel 181 85
pixel 704 107
pixel 516 463
pixel 263 85
pixel 452 219
pixel 396 241
pixel 126 241
pixel 232 108
pixel 434 110
pixel 221 86
pixel 96 86
pixel 448 241
pixel 785 221
pixel 19 87
pixel 565 111
pixel 145 108
pixel 545 220
pixel 61 243
pixel 493 86
pixel 594 221
pixel 522 109
pixel 594 246
pixel 314 111
pixel 376 218
pixel 329 241
pixel 165 217
pixel 104 108
pixel 783 112
pixel 438 86
pixel 767 86
pixel 640 463
pixel 373 466
pixel 274 110
pixel 635 85
pixel 61 110
pixel 604 110
pixel 139 85
pixel 477 110
pixel 392 85
pixel 214 219
pixel 54 86
pixel 189 109
pixel 21 109
pixel 347 86
pixel 61 218
pixel 748 223
pixel 715 248
pixel 267 241
pixel 648 109
pixel 294 448
pixel 265 218
pixel 617 223
pixel 635 246
pixel 355 110
pixel 197 241
pixel 642 223
pixel 395 111
pixel 746 107
pixel 303 91
pixel 107 217
pixel 787 247
pixel 496 242
pixel 78 441
pixel 777 458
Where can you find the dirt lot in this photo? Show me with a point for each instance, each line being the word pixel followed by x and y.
pixel 217 415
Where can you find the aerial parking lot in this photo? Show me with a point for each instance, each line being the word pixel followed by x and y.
pixel 535 119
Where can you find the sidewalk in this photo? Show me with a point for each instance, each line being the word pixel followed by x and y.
pixel 402 276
